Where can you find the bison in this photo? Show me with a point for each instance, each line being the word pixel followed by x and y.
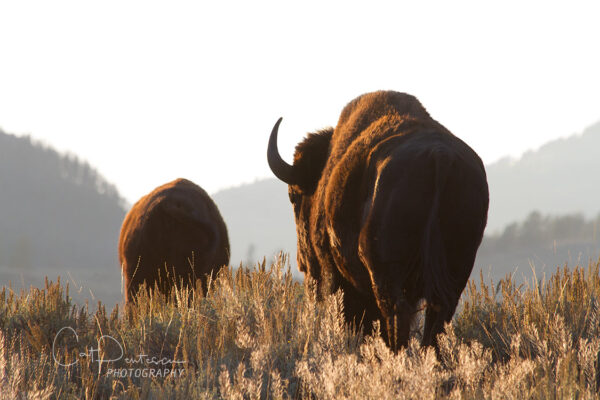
pixel 175 234
pixel 390 207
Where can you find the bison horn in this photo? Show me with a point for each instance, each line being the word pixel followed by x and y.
pixel 280 168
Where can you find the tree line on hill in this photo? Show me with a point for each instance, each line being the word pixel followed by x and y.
pixel 59 216
pixel 543 230
pixel 55 210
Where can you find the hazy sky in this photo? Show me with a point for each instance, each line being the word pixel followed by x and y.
pixel 150 91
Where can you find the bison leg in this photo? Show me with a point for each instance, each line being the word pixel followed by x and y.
pixel 397 307
pixel 359 309
pixel 435 318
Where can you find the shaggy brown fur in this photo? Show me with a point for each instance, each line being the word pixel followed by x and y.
pixel 391 208
pixel 175 234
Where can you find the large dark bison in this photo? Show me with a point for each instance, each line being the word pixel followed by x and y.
pixel 391 208
pixel 173 234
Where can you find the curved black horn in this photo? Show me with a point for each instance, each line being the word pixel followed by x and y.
pixel 280 168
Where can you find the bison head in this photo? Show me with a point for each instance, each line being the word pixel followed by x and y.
pixel 303 178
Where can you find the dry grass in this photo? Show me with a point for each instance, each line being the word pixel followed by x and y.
pixel 259 334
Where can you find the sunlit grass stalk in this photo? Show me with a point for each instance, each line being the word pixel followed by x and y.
pixel 259 334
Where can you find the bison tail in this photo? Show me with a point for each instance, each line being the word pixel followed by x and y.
pixel 439 284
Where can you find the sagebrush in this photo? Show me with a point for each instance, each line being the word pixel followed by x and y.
pixel 258 334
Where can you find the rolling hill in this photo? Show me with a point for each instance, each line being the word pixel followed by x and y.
pixel 558 179
pixel 561 177
pixel 58 216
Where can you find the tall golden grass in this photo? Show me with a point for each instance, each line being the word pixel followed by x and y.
pixel 258 334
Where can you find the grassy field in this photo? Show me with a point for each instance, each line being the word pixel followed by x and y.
pixel 260 334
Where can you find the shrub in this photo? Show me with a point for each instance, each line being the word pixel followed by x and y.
pixel 259 334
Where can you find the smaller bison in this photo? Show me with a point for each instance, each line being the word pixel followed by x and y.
pixel 173 235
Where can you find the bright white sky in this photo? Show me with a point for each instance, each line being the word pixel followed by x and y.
pixel 150 91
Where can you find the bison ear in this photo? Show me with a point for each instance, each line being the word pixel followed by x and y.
pixel 310 159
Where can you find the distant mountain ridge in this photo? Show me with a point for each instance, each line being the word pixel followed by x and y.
pixel 58 216
pixel 259 219
pixel 561 177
